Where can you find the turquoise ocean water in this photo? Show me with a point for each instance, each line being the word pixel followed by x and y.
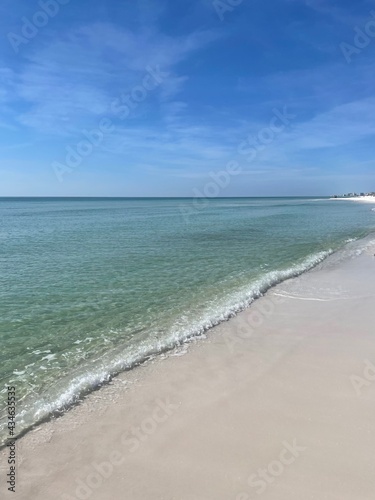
pixel 91 287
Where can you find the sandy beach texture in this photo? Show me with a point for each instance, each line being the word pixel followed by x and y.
pixel 278 403
pixel 361 199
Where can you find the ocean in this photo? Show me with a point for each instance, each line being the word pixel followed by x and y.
pixel 91 287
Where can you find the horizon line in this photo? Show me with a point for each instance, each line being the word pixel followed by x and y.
pixel 162 197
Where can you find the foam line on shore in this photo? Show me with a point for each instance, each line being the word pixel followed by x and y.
pixel 56 402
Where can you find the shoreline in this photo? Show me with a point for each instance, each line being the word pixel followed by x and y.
pixel 215 413
pixel 360 199
pixel 78 389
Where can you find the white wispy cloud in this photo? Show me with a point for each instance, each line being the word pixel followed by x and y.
pixel 75 78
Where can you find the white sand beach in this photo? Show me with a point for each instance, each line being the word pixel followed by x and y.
pixel 361 199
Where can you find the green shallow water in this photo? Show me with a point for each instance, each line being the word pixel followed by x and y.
pixel 89 287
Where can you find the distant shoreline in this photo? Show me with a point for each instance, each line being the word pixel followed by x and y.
pixel 362 199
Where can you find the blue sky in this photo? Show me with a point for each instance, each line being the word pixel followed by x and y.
pixel 170 92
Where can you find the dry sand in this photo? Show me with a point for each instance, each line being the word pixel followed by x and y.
pixel 278 403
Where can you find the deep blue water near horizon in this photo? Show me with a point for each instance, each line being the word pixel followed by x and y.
pixel 93 286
